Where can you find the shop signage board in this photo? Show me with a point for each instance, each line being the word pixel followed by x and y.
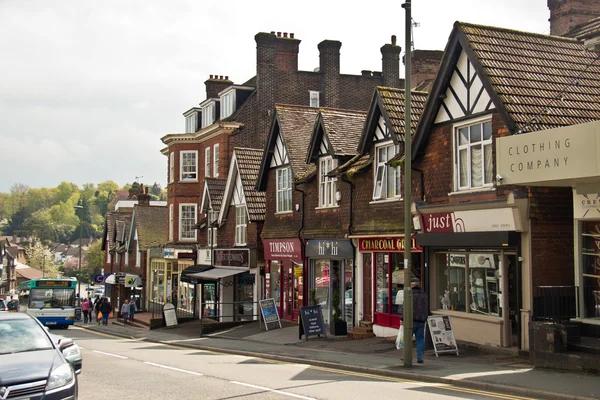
pixel 329 248
pixel 282 249
pixel 488 220
pixel 232 257
pixel 442 334
pixel 311 322
pixel 169 315
pixel 387 245
pixel 269 312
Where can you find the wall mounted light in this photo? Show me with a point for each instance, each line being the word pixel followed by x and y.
pixel 338 196
pixel 297 207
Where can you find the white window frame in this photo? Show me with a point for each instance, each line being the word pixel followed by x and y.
pixel 191 213
pixel 327 184
pixel 208 114
pixel 171 219
pixel 241 225
pixel 460 149
pixel 207 161
pixel 284 189
pixel 188 172
pixel 313 98
pixel 227 104
pixel 171 167
pixel 211 217
pixel 216 160
pixel 381 173
pixel 191 123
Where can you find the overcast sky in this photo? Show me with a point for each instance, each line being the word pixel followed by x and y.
pixel 88 88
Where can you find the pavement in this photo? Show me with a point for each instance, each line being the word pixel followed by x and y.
pixel 480 368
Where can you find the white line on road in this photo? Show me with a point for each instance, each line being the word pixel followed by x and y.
pixel 272 390
pixel 183 340
pixel 487 373
pixel 110 354
pixel 173 368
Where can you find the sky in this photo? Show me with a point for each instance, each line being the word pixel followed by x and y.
pixel 88 88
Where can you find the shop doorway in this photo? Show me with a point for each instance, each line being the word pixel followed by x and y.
pixel 510 260
pixel 209 300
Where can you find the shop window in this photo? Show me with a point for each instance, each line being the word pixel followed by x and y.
pixel 389 283
pixel 473 149
pixel 274 282
pixel 469 282
pixel 591 268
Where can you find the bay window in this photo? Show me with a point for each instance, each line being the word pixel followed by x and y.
pixel 473 149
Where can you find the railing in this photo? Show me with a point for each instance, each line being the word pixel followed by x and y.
pixel 156 309
pixel 230 314
pixel 554 303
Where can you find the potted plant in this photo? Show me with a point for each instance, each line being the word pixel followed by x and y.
pixel 312 297
pixel 337 326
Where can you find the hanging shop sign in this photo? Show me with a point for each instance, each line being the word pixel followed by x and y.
pixel 282 249
pixel 168 253
pixel 329 248
pixel 232 257
pixel 387 244
pixel 488 220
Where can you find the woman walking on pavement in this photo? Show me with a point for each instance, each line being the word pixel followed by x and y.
pixel 85 308
pixel 132 309
pixel 125 311
pixel 97 306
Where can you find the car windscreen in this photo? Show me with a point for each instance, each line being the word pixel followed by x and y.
pixel 52 298
pixel 22 335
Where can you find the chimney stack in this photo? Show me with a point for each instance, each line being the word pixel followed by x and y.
pixel 391 64
pixel 214 84
pixel 567 14
pixel 424 67
pixel 329 67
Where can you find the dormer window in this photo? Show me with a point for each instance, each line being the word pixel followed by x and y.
pixel 227 104
pixel 191 123
pixel 314 98
pixel 208 114
pixel 473 155
pixel 387 178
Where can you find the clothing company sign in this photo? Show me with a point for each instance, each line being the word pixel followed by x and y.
pixel 586 206
pixel 232 257
pixel 329 248
pixel 282 249
pixel 489 220
pixel 551 155
pixel 387 244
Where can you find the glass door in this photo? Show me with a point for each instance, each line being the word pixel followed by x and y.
pixel 320 286
pixel 591 269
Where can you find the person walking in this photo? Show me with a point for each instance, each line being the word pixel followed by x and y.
pixel 132 309
pixel 125 311
pixel 420 314
pixel 97 307
pixel 105 309
pixel 85 309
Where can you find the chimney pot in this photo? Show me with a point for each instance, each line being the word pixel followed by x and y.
pixel 393 40
pixel 291 35
pixel 365 72
pixel 227 77
pixel 221 77
pixel 211 77
pixel 284 34
pixel 278 34
pixel 272 32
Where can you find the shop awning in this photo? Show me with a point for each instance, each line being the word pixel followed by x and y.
pixel 217 273
pixel 186 274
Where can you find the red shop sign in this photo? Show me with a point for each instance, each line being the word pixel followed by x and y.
pixel 386 244
pixel 282 249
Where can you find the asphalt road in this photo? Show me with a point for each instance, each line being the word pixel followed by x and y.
pixel 116 368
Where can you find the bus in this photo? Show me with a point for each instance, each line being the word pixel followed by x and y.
pixel 51 301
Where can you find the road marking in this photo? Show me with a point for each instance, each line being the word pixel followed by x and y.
pixel 272 390
pixel 110 354
pixel 183 340
pixel 173 368
pixel 487 373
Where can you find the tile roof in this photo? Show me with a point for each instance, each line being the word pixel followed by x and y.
pixel 542 81
pixel 216 191
pixel 352 166
pixel 151 224
pixel 29 273
pixel 393 102
pixel 586 30
pixel 296 126
pixel 248 164
pixel 343 129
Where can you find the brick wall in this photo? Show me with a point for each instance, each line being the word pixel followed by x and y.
pixel 214 84
pixel 284 225
pixel 326 222
pixel 566 14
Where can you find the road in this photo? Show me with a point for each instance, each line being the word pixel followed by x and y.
pixel 123 368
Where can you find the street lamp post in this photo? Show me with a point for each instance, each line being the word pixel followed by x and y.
pixel 79 265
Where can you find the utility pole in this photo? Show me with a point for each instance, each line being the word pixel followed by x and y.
pixel 407 320
pixel 79 266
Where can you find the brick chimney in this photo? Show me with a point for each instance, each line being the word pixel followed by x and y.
pixel 215 83
pixel 329 67
pixel 391 64
pixel 144 197
pixel 425 65
pixel 566 14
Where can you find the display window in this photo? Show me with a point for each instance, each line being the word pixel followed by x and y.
pixel 591 268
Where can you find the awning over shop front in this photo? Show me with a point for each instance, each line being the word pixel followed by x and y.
pixel 217 273
pixel 194 269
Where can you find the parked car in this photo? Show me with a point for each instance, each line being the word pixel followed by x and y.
pixel 3 306
pixel 35 363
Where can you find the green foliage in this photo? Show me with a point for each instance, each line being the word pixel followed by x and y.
pixel 65 190
pixel 155 190
pixel 95 259
pixel 39 257
pixel 335 306
pixel 15 224
pixel 312 297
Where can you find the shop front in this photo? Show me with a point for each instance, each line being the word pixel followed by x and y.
pixel 331 278
pixel 165 285
pixel 383 280
pixel 472 259
pixel 284 277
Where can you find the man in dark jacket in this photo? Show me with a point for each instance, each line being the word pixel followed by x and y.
pixel 106 309
pixel 420 314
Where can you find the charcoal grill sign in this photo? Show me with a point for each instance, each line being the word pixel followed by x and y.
pixel 311 322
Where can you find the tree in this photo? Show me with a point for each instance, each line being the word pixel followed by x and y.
pixel 39 257
pixel 15 224
pixel 95 259
pixel 155 190
pixel 65 190
pixel 40 225
pixel 18 196
pixel 108 187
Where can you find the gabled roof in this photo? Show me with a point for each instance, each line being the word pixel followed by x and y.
pixel 212 195
pixel 113 225
pixel 535 81
pixel 340 129
pixel 296 125
pixel 245 163
pixel 151 225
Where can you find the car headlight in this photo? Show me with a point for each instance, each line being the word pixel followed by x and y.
pixel 71 351
pixel 60 377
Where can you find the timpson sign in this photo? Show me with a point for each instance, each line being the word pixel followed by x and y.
pixel 386 244
pixel 561 154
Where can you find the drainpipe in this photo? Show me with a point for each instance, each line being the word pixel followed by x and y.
pixel 344 179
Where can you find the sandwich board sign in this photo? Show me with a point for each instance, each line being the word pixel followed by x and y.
pixel 311 322
pixel 442 334
pixel 269 312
